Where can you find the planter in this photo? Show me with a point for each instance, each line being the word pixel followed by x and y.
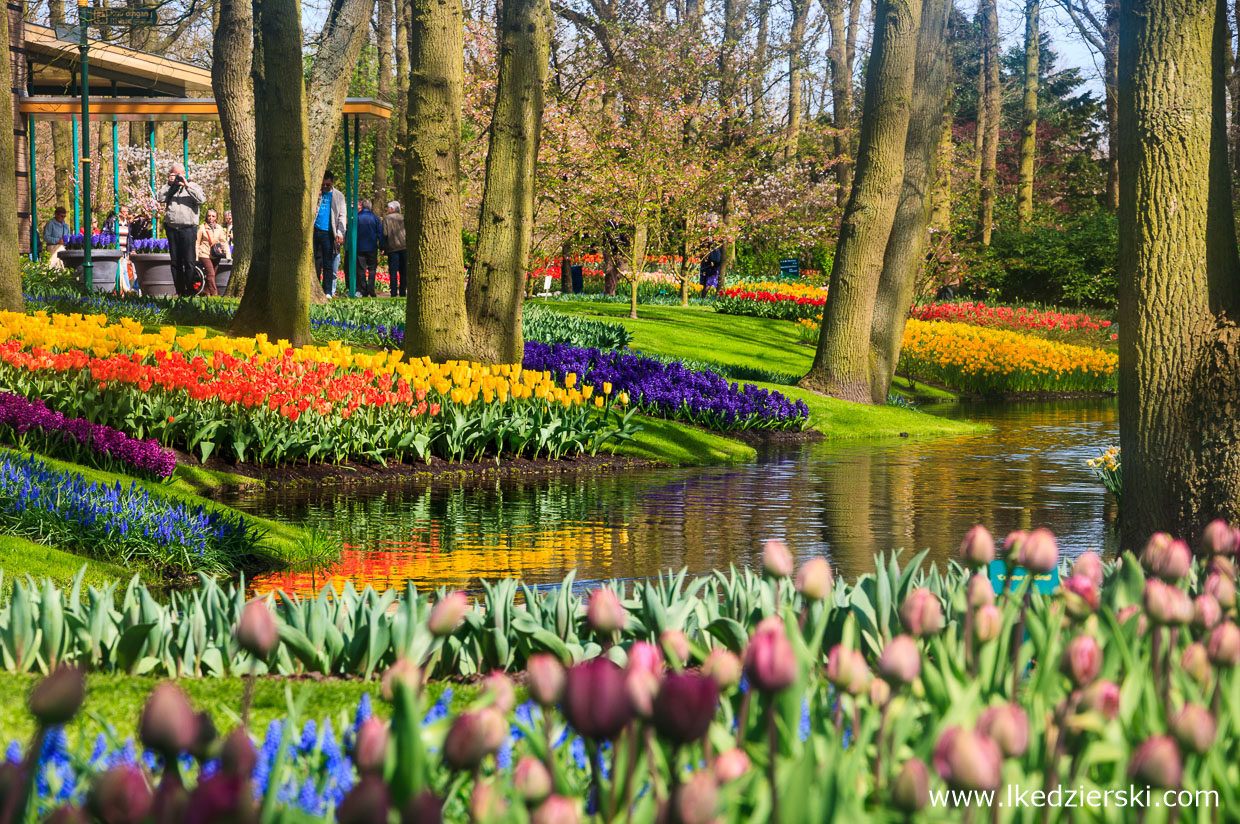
pixel 223 272
pixel 154 274
pixel 104 262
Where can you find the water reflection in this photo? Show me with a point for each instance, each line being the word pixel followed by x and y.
pixel 844 500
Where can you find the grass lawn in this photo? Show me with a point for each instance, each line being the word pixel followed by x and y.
pixel 20 557
pixel 676 444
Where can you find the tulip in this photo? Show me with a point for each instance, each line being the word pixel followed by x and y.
pixel 1218 539
pixel 987 623
pixel 1224 645
pixel 1206 611
pixel 473 736
pixel 1194 727
pixel 556 810
pixel 642 686
pixel 423 808
pixel 1166 558
pixel 605 614
pixel 1196 662
pixel 900 662
pixel 1223 565
pixel 777 561
pixel 978 547
pixel 967 760
pixel 168 725
pixel 1039 552
pixel 1166 604
pixel 256 631
pixel 1101 697
pixel 367 803
pixel 1133 612
pixel 1082 660
pixel 68 814
pixel 1089 565
pixel 847 670
pixel 1008 726
pixel 404 672
pixel 370 747
pixel 237 755
pixel 57 698
pixel 448 614
pixel 204 737
pixel 596 701
pixel 1157 763
pixel 1080 596
pixel 910 792
pixel 120 796
pixel 979 592
pixel 697 800
pixel 814 580
pixel 1223 589
pixel 723 666
pixel 770 662
pixel 531 780
pixel 485 803
pixel 684 707
pixel 676 646
pixel 921 613
pixel 645 656
pixel 498 687
pixel 545 678
pixel 731 765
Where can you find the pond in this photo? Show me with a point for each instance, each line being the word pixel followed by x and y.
pixel 844 500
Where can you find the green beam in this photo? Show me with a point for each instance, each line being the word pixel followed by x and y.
pixel 357 152
pixel 88 267
pixel 150 135
pixel 34 191
pixel 116 170
pixel 185 145
pixel 77 176
pixel 349 261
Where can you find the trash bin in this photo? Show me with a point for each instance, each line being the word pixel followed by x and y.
pixel 578 284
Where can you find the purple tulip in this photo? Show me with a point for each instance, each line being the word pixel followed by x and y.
pixel 596 701
pixel 120 796
pixel 370 748
pixel 168 724
pixel 56 699
pixel 256 631
pixel 684 707
pixel 367 803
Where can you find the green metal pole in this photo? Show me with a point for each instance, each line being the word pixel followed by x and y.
pixel 77 176
pixel 150 134
pixel 348 208
pixel 357 192
pixel 88 268
pixel 185 145
pixel 34 192
pixel 116 172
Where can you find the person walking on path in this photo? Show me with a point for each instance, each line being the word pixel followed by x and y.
pixel 369 240
pixel 54 233
pixel 329 228
pixel 212 248
pixel 394 245
pixel 182 200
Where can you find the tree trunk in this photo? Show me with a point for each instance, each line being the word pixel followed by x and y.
pixel 637 263
pixel 796 51
pixel 383 133
pixel 1110 60
pixel 903 257
pixel 1179 375
pixel 841 364
pixel 10 266
pixel 990 135
pixel 757 79
pixel 566 267
pixel 506 224
pixel 436 324
pixel 402 97
pixel 728 249
pixel 979 125
pixel 283 206
pixel 841 96
pixel 1029 118
pixel 232 55
pixel 941 217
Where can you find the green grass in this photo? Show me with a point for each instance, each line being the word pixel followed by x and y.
pixel 20 557
pixel 677 444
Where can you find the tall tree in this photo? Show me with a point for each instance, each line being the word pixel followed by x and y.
pixel 903 256
pixel 383 134
pixel 796 66
pixel 731 104
pixel 10 269
pixel 1029 117
pixel 757 75
pixel 1100 31
pixel 841 363
pixel 402 96
pixel 1179 274
pixel 841 71
pixel 232 54
pixel 989 13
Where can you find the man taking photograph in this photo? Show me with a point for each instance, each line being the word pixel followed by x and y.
pixel 181 200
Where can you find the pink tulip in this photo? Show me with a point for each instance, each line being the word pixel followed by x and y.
pixel 967 760
pixel 1008 726
pixel 1157 763
pixel 978 547
pixel 1089 565
pixel 921 613
pixel 1082 660
pixel 545 678
pixel 770 662
pixel 900 662
pixel 1039 552
pixel 605 614
pixel 777 560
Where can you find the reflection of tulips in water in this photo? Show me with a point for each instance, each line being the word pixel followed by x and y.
pixel 1095 702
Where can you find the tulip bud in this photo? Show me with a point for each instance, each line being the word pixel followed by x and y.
pixel 723 666
pixel 987 623
pixel 910 792
pixel 1194 727
pixel 770 662
pixel 204 738
pixel 256 631
pixel 979 592
pixel 645 656
pixel 423 808
pixel 485 803
pixel 1196 662
pixel 1132 612
pixel 1166 558
pixel 1040 552
pixel 978 547
pixel 814 580
pixel 1101 697
pixel 404 672
pixel 1080 596
pixel 880 692
pixel 1223 589
pixel 641 685
pixel 596 701
pixel 676 646
pixel 545 678
pixel 370 747
pixel 1218 539
pixel 1082 660
pixel 1157 763
pixel 605 614
pixel 1012 546
pixel 684 707
pixel 532 780
pixel 967 760
pixel 697 800
pixel 168 724
pixel 556 810
pixel 57 698
pixel 1206 611
pixel 921 613
pixel 1008 726
pixel 1224 645
pixel 731 765
pixel 67 814
pixel 1166 604
pixel 498 687
pixel 472 737
pixel 120 796
pixel 1224 565
pixel 448 614
pixel 777 560
pixel 237 755
pixel 366 803
pixel 847 670
pixel 1089 565
pixel 900 662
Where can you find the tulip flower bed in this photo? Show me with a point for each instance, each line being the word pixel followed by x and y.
pixel 256 401
pixel 1008 317
pixel 64 509
pixel 996 361
pixel 910 692
pixel 669 390
pixel 767 299
pixel 30 425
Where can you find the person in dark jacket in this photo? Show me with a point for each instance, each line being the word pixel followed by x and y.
pixel 369 239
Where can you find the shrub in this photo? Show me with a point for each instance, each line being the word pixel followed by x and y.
pixel 544 326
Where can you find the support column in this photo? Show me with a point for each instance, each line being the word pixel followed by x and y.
pixel 185 145
pixel 150 137
pixel 116 172
pixel 34 190
pixel 357 190
pixel 349 262
pixel 77 176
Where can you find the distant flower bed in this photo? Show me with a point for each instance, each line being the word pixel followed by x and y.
pixel 669 390
pixel 1008 317
pixel 150 246
pixel 100 241
pixel 772 299
pixel 994 361
pixel 29 424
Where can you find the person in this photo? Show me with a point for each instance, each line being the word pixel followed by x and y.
pixel 54 233
pixel 394 245
pixel 182 200
pixel 369 239
pixel 212 248
pixel 329 226
pixel 711 264
pixel 226 222
pixel 109 223
pixel 120 228
pixel 140 226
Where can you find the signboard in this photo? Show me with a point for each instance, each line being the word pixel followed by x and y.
pixel 1045 583
pixel 789 268
pixel 90 16
pixel 70 33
